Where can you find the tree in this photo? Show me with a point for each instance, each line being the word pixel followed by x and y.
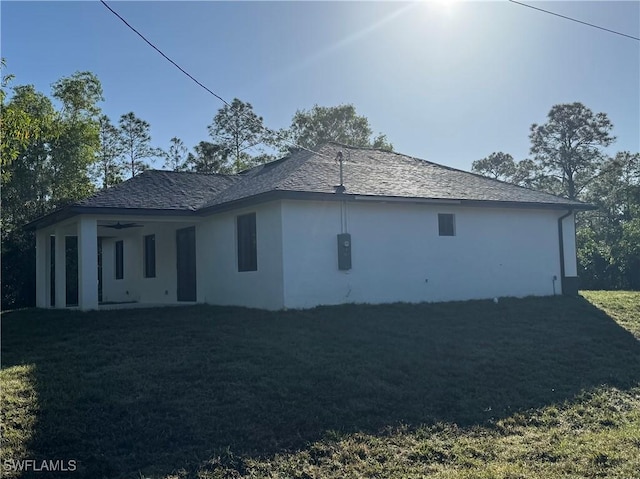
pixel 51 161
pixel 176 158
pixel 72 152
pixel 51 152
pixel 236 128
pixel 311 128
pixel 136 140
pixel 79 94
pixel 608 238
pixel 528 174
pixel 208 158
pixel 630 251
pixel 28 178
pixel 380 142
pixel 569 146
pixel 5 79
pixel 108 164
pixel 18 123
pixel 616 189
pixel 499 166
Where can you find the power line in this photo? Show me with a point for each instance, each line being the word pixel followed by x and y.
pixel 576 20
pixel 268 130
pixel 161 53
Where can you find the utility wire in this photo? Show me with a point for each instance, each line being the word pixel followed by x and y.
pixel 575 20
pixel 268 130
pixel 161 53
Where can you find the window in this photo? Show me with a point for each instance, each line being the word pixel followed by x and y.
pixel 247 243
pixel 150 256
pixel 446 224
pixel 119 259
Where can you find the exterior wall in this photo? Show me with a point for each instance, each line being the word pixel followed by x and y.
pixel 398 255
pixel 134 286
pixel 129 287
pixel 162 288
pixel 219 281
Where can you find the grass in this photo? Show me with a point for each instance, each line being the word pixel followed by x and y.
pixel 623 306
pixel 529 388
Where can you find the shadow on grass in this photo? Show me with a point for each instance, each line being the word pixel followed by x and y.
pixel 162 390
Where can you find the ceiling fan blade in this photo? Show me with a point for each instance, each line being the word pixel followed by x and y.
pixel 121 226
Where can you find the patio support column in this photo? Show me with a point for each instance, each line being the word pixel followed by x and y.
pixel 42 269
pixel 61 269
pixel 87 263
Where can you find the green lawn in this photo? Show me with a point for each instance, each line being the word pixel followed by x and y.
pixel 531 388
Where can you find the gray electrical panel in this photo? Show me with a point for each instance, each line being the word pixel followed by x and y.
pixel 344 251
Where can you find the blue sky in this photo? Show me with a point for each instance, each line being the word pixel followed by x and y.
pixel 449 82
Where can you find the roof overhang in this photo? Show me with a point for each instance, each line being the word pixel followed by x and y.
pixel 71 211
pixel 479 203
pixel 305 195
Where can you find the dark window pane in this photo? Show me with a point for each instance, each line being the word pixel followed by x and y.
pixel 150 256
pixel 247 243
pixel 119 259
pixel 446 225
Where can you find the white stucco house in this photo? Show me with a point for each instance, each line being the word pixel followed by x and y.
pixel 287 234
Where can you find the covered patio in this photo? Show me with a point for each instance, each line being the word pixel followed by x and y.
pixel 136 244
pixel 116 263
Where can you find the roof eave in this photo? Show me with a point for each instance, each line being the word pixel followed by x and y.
pixel 307 195
pixel 481 203
pixel 71 211
pixel 530 205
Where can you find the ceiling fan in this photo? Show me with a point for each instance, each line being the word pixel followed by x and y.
pixel 122 226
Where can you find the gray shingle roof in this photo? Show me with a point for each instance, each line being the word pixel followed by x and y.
pixel 367 172
pixel 162 190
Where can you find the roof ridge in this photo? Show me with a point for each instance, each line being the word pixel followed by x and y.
pixel 173 172
pixel 296 167
pixel 243 173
